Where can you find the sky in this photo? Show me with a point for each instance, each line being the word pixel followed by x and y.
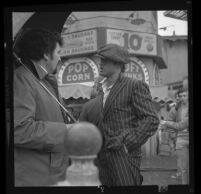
pixel 180 27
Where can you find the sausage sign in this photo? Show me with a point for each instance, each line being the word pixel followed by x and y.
pixel 79 43
pixel 135 42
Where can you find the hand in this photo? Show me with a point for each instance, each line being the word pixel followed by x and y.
pixel 162 122
pixel 113 143
pixel 162 125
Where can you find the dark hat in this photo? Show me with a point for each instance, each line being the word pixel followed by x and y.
pixel 114 52
pixel 158 100
pixel 168 100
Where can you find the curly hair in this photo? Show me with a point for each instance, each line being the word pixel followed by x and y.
pixel 36 42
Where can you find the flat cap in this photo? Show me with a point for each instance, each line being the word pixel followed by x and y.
pixel 159 100
pixel 168 100
pixel 114 52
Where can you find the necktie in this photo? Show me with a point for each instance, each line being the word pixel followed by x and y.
pixel 100 92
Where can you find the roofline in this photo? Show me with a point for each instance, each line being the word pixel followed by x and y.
pixel 175 37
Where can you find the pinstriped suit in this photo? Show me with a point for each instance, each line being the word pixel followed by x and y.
pixel 128 118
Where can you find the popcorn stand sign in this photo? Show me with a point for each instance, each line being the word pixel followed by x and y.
pixel 80 70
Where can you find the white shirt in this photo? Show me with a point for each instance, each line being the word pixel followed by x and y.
pixel 106 90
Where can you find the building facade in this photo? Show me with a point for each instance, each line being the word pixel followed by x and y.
pixel 87 31
pixel 177 62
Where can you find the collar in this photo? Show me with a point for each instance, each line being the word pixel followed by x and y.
pixel 104 87
pixel 104 80
pixel 42 72
pixel 121 76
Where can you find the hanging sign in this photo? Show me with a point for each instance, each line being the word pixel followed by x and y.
pixel 136 69
pixel 135 42
pixel 80 70
pixel 79 42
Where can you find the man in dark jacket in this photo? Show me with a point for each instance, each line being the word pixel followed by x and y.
pixel 39 122
pixel 127 119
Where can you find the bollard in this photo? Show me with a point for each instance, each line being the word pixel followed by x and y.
pixel 83 143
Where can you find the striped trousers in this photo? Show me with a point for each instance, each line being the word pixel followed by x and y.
pixel 118 168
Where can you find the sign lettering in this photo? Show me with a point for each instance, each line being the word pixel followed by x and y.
pixel 135 42
pixel 79 70
pixel 79 42
pixel 78 77
pixel 137 70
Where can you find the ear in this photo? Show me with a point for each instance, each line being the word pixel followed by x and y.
pixel 46 57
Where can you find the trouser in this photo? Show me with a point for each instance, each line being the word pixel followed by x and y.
pixel 117 168
pixel 182 150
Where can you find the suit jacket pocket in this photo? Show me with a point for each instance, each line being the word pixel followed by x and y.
pixel 57 160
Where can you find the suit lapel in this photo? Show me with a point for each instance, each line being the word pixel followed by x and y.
pixel 113 94
pixel 101 101
pixel 99 109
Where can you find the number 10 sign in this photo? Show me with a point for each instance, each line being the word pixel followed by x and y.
pixel 135 42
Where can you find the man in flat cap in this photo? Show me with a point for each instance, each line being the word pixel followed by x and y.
pixel 128 119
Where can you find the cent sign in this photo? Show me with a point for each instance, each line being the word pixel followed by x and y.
pixel 135 42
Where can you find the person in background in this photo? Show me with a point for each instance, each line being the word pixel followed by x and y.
pixel 160 135
pixel 178 121
pixel 128 118
pixel 159 104
pixel 169 103
pixel 172 116
pixel 177 97
pixel 40 125
pixel 185 83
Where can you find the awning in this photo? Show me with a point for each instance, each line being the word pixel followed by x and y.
pixel 75 91
pixel 176 14
pixel 174 38
pixel 78 90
